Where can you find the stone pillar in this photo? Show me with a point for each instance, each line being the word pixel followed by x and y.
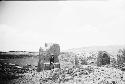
pixel 41 60
pixel 103 58
pixel 45 55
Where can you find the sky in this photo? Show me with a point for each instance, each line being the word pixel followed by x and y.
pixel 72 24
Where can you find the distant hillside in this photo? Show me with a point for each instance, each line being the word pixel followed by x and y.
pixel 112 49
pixel 95 48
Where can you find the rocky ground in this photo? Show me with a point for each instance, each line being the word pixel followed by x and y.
pixel 9 71
pixel 85 74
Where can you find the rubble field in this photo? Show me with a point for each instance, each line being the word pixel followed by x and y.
pixel 84 75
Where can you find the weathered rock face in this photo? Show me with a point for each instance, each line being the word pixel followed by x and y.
pixel 103 58
pixel 46 53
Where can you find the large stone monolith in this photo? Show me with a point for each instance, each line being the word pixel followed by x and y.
pixel 48 57
pixel 103 58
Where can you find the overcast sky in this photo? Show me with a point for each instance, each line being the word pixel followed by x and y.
pixel 72 24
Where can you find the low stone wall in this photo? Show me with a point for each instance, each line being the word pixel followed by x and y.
pixel 48 67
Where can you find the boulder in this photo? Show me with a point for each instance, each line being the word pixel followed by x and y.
pixel 103 58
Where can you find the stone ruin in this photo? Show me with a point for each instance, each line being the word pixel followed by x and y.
pixel 48 57
pixel 103 58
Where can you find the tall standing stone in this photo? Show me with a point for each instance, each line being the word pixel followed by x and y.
pixel 103 58
pixel 46 53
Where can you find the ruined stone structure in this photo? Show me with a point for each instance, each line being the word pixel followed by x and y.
pixel 48 57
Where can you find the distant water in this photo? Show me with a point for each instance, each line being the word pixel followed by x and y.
pixel 22 61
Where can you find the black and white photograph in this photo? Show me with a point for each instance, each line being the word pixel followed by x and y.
pixel 62 42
